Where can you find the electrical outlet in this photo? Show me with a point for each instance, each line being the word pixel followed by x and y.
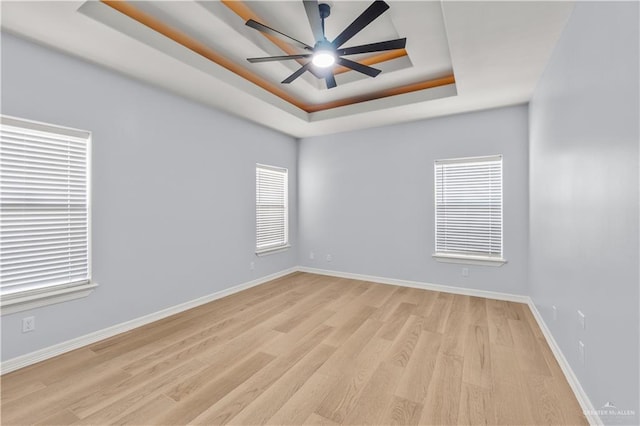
pixel 28 324
pixel 312 255
pixel 581 352
pixel 329 258
pixel 252 265
pixel 582 320
pixel 465 272
pixel 555 312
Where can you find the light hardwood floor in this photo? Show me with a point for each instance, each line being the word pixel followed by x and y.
pixel 308 349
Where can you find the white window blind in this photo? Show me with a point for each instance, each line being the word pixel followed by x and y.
pixel 468 204
pixel 271 208
pixel 44 209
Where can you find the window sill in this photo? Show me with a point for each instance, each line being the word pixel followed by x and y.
pixel 35 299
pixel 469 260
pixel 272 250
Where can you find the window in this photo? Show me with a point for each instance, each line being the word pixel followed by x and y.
pixel 44 214
pixel 468 207
pixel 272 210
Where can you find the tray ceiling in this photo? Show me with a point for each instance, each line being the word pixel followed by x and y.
pixel 459 56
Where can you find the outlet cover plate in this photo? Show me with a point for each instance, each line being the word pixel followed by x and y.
pixel 582 320
pixel 28 324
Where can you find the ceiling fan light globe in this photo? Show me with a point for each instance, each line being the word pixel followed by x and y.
pixel 324 59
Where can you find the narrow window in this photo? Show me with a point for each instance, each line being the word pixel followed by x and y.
pixel 272 210
pixel 44 210
pixel 468 208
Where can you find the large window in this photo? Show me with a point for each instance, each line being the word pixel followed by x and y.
pixel 468 209
pixel 44 213
pixel 272 213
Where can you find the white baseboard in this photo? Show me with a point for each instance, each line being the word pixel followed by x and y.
pixel 416 284
pixel 584 401
pixel 60 348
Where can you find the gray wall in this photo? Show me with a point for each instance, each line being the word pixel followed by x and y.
pixel 366 198
pixel 173 192
pixel 584 199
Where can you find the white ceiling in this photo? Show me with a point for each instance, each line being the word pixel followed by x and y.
pixel 497 51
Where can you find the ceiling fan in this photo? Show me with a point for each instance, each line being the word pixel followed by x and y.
pixel 325 54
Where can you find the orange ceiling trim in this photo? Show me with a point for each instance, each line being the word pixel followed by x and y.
pixel 201 49
pixel 244 12
pixel 197 47
pixel 414 87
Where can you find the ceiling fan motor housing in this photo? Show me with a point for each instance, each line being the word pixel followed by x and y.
pixel 326 54
pixel 325 10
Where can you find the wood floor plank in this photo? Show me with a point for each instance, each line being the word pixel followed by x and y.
pixel 344 359
pixel 261 409
pixel 541 393
pixel 203 339
pixel 416 378
pixel 145 412
pixel 61 418
pixel 377 294
pixel 286 341
pixel 441 405
pixel 20 389
pixel 308 349
pixel 530 356
pixel 499 331
pixel 396 320
pixel 416 296
pixel 304 402
pixel 478 311
pixel 351 289
pixel 477 357
pixel 318 420
pixel 50 400
pixel 514 311
pixel 191 402
pixel 304 308
pixel 453 342
pixel 45 371
pixel 348 327
pixel 384 311
pixel 375 397
pixel 436 319
pixel 511 404
pixel 227 355
pixel 235 401
pixel 346 393
pixel 401 411
pixel 476 406
pixel 425 302
pixel 405 342
pixel 130 398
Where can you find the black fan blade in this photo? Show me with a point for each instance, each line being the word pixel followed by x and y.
pixel 313 14
pixel 374 47
pixel 376 9
pixel 277 58
pixel 263 28
pixel 296 74
pixel 316 71
pixel 364 69
pixel 330 79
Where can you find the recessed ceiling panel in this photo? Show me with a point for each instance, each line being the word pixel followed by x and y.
pixel 198 49
pixel 217 32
